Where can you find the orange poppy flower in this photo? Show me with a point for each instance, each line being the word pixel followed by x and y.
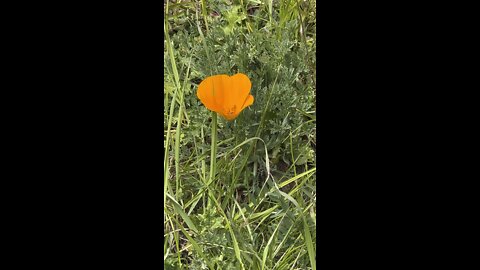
pixel 226 95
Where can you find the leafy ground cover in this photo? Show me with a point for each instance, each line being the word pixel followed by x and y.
pixel 253 205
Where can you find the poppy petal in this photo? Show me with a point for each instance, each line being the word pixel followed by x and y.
pixel 240 90
pixel 220 86
pixel 249 101
pixel 211 92
pixel 203 93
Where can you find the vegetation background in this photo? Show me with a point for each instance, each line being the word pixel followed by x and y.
pixel 258 211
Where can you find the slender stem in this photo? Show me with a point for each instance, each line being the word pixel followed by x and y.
pixel 214 150
pixel 213 146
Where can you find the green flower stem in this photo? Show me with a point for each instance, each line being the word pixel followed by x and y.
pixel 213 152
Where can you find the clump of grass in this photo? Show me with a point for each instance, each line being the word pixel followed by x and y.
pixel 249 202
